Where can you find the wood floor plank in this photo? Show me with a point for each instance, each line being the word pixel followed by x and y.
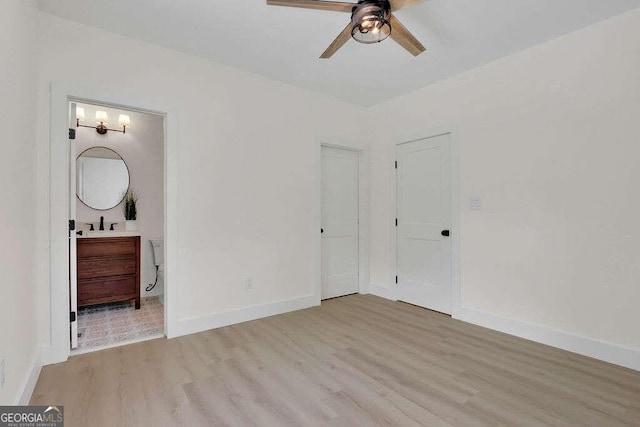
pixel 354 361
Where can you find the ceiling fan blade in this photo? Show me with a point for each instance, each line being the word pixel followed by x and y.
pixel 342 38
pixel 404 38
pixel 400 4
pixel 336 6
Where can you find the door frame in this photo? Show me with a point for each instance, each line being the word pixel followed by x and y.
pixel 456 294
pixel 363 213
pixel 61 95
pixel 73 238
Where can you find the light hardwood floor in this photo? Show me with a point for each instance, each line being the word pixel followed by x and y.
pixel 357 360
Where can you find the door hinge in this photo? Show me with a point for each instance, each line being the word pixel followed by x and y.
pixel 72 316
pixel 396 279
pixel 72 133
pixel 396 164
pixel 72 225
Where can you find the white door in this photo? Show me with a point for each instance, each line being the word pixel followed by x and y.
pixel 73 272
pixel 424 222
pixel 339 222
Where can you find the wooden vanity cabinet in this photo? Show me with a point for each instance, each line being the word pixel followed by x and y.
pixel 108 270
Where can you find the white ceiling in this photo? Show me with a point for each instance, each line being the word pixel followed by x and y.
pixel 285 43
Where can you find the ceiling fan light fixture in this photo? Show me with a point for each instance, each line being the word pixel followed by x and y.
pixel 370 21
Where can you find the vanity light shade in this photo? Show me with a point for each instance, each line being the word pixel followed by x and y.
pixel 124 120
pixel 79 113
pixel 101 117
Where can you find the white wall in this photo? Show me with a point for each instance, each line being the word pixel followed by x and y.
pixel 550 141
pixel 142 148
pixel 247 146
pixel 18 62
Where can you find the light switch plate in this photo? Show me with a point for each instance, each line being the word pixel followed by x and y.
pixel 475 204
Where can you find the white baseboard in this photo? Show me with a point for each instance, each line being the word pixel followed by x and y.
pixel 384 292
pixel 29 381
pixel 231 317
pixel 608 352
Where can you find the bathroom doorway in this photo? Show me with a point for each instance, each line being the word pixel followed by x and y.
pixel 117 225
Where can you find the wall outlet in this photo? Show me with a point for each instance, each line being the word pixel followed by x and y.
pixel 2 377
pixel 248 283
pixel 475 204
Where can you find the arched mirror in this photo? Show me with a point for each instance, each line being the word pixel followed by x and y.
pixel 102 178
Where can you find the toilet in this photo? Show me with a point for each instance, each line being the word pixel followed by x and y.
pixel 157 246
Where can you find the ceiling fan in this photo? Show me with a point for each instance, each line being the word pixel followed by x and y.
pixel 372 21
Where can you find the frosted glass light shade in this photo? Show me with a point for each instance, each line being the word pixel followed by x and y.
pixel 79 113
pixel 101 117
pixel 124 120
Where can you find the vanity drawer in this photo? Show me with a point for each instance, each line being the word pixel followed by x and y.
pixel 93 267
pixel 104 246
pixel 112 289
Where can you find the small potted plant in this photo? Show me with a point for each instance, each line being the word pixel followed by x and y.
pixel 130 211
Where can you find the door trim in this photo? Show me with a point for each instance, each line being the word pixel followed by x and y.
pixel 456 295
pixel 363 213
pixel 61 95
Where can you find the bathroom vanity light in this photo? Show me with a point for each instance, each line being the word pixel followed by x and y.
pixel 102 120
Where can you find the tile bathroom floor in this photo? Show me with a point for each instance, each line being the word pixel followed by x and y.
pixel 110 324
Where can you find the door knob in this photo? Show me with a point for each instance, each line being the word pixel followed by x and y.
pixel 445 233
pixel 321 230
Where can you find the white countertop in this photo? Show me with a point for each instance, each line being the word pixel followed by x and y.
pixel 106 233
